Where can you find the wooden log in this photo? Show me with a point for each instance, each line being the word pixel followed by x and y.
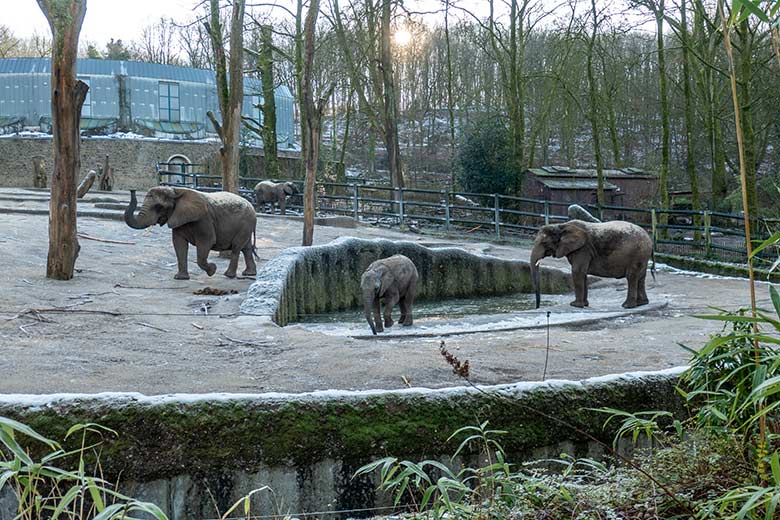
pixel 86 184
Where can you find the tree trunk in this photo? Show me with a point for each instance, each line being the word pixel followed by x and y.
pixel 230 92
pixel 594 110
pixel 690 162
pixel 67 97
pixel 390 100
pixel 745 71
pixel 663 178
pixel 266 66
pixel 450 102
pixel 85 184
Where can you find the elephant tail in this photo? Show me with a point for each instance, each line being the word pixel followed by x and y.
pixel 652 269
pixel 257 257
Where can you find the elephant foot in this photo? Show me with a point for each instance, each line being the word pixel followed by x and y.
pixel 379 329
pixel 211 269
pixel 247 272
pixel 575 303
pixel 644 301
pixel 629 305
pixel 389 323
pixel 230 274
pixel 181 276
pixel 407 322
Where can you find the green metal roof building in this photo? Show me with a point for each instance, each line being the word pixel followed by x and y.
pixel 146 98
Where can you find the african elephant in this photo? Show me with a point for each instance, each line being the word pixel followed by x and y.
pixel 274 192
pixel 218 221
pixel 392 280
pixel 615 249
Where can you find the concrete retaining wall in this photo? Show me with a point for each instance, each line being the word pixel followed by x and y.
pixel 177 450
pixel 325 278
pixel 133 160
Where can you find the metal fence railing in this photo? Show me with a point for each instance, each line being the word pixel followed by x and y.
pixel 705 234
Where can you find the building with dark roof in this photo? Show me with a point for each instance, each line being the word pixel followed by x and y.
pixel 152 100
pixel 631 187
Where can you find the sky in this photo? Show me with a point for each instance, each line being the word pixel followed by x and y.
pixel 106 19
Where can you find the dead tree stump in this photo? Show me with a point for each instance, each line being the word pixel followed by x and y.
pixel 106 176
pixel 39 174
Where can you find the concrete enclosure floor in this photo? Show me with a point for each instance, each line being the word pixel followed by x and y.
pixel 124 324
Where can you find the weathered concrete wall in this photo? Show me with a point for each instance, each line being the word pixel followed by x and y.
pixel 306 280
pixel 176 449
pixel 133 160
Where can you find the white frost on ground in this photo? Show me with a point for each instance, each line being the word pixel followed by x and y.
pixel 705 276
pixel 39 401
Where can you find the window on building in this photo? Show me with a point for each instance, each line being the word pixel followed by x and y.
pixel 169 101
pixel 86 108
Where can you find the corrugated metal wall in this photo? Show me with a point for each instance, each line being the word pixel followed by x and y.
pixel 25 92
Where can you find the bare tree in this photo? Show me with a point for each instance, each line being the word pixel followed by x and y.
pixel 229 92
pixel 158 43
pixel 67 97
pixel 8 42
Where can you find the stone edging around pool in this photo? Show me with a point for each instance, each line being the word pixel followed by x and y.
pixel 325 278
pixel 177 449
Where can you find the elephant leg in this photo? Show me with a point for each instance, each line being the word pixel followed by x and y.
pixel 180 246
pixel 233 266
pixel 641 293
pixel 249 260
pixel 203 259
pixel 631 298
pixel 580 279
pixel 377 316
pixel 406 310
pixel 282 204
pixel 390 302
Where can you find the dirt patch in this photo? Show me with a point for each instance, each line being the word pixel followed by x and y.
pixel 124 324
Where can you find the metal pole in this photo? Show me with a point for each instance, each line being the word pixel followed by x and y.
pixel 355 202
pixel 546 212
pixel 654 223
pixel 447 211
pixel 401 206
pixel 707 233
pixel 497 217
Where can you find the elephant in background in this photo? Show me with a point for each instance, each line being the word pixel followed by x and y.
pixel 615 249
pixel 391 280
pixel 274 192
pixel 218 221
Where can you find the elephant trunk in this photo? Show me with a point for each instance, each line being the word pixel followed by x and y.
pixel 536 256
pixel 368 307
pixel 130 218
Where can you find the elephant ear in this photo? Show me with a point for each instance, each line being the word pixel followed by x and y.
pixel 385 281
pixel 289 188
pixel 190 206
pixel 572 239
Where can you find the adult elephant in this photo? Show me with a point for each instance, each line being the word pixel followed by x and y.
pixel 274 192
pixel 218 221
pixel 615 249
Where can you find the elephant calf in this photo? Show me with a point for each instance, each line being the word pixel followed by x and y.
pixel 274 192
pixel 218 221
pixel 392 280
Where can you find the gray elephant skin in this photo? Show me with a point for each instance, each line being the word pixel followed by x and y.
pixel 615 249
pixel 218 221
pixel 274 192
pixel 392 281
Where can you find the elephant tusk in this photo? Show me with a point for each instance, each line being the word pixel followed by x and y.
pixel 538 262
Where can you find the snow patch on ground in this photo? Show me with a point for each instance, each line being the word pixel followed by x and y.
pixel 39 401
pixel 704 276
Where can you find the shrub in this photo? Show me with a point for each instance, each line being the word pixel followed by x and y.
pixel 486 161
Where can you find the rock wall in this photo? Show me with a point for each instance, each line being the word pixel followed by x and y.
pixel 325 278
pixel 180 450
pixel 133 160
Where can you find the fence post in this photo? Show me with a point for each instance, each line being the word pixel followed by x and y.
pixel 546 212
pixel 654 224
pixel 497 211
pixel 400 206
pixel 707 232
pixel 447 211
pixel 195 181
pixel 355 203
